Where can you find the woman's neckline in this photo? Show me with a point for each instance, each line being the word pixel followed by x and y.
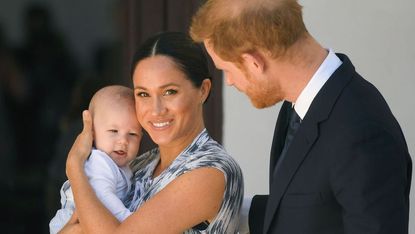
pixel 197 141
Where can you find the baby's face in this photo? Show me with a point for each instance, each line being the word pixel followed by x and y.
pixel 117 133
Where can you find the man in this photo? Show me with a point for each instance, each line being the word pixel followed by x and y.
pixel 339 161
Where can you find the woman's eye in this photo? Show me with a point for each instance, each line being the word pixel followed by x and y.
pixel 170 92
pixel 142 94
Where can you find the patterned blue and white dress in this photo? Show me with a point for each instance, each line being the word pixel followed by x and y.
pixel 202 152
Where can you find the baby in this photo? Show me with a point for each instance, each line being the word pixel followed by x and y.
pixel 117 136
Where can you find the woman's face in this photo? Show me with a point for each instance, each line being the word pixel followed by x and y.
pixel 168 105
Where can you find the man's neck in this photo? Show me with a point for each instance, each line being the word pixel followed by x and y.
pixel 299 65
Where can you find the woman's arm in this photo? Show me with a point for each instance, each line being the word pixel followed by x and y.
pixel 188 200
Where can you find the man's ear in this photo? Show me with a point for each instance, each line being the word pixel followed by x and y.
pixel 254 62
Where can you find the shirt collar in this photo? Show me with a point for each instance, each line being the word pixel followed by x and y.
pixel 323 73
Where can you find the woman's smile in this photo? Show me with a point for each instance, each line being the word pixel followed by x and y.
pixel 161 125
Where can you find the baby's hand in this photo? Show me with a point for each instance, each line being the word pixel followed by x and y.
pixel 82 146
pixel 74 218
pixel 72 226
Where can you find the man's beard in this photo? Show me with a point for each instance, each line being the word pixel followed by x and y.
pixel 262 97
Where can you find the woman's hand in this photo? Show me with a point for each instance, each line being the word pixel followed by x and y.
pixel 82 146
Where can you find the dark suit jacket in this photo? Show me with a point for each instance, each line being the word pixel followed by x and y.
pixel 347 169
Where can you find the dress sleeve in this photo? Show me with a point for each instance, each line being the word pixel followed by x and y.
pixel 227 220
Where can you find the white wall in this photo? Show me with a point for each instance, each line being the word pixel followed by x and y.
pixel 378 36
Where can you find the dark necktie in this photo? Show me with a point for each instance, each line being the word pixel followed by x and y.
pixel 293 126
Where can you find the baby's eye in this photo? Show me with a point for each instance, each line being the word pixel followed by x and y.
pixel 170 92
pixel 113 130
pixel 135 135
pixel 142 94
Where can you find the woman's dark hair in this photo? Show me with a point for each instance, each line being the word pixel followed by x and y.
pixel 188 56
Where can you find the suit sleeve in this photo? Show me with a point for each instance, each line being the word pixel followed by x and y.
pixel 257 214
pixel 371 179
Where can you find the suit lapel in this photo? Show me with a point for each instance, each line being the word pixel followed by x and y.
pixel 305 137
pixel 300 145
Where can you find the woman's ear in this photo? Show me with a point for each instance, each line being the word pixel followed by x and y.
pixel 254 62
pixel 205 89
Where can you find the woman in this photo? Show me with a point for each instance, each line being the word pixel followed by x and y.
pixel 188 183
